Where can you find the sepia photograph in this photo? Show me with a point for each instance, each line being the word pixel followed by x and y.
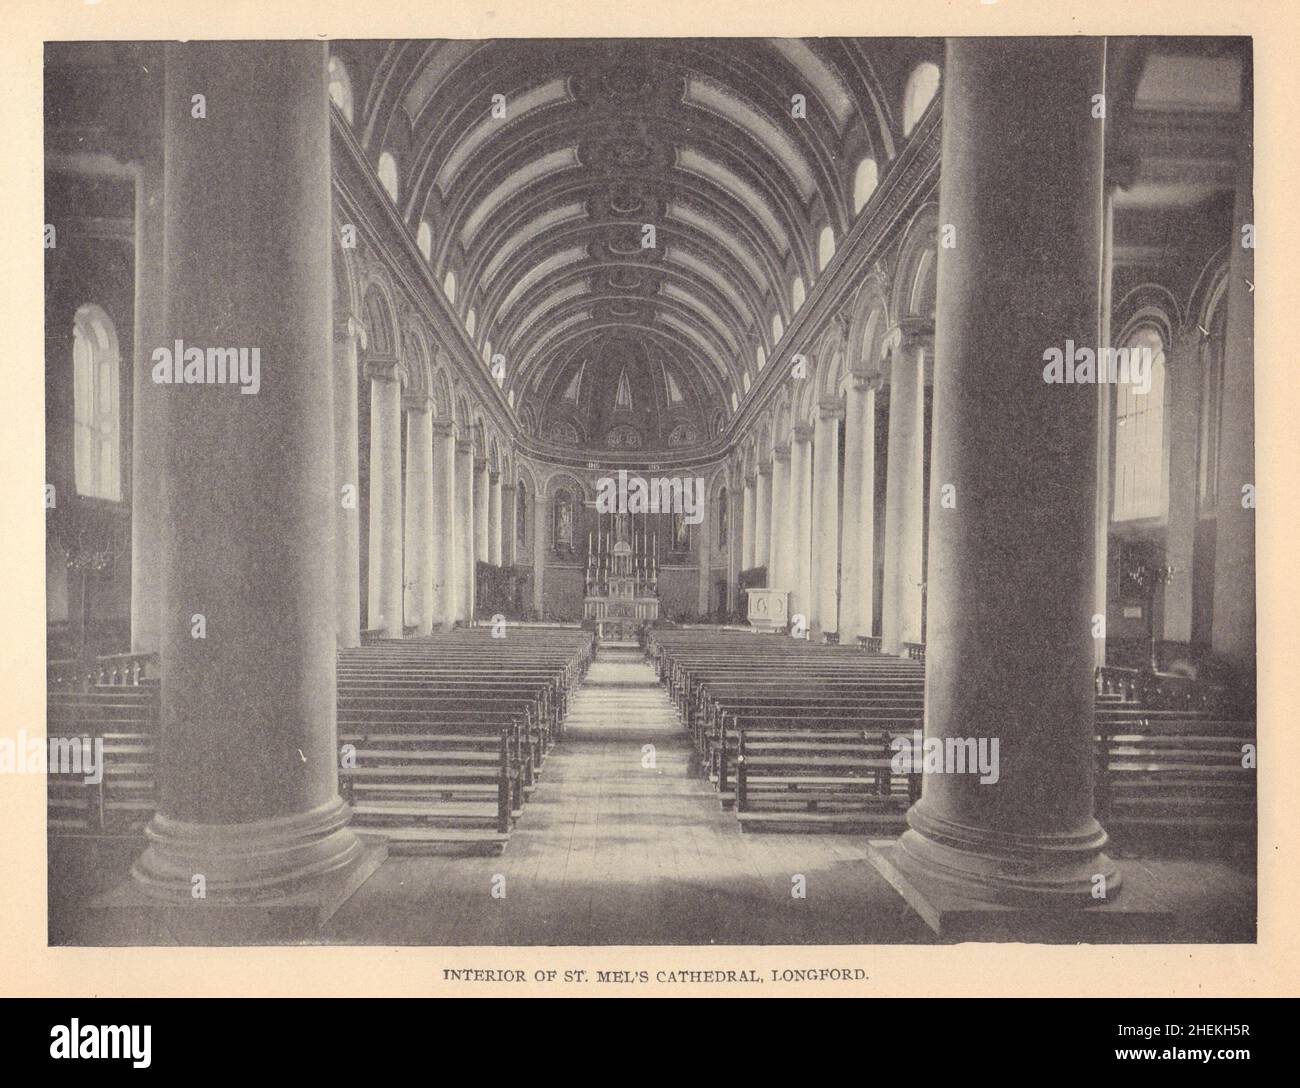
pixel 649 491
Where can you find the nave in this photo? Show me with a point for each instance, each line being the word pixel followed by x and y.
pixel 337 621
pixel 629 846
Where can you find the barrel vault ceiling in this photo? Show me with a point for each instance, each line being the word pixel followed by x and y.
pixel 531 171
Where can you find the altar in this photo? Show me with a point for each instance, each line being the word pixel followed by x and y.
pixel 622 583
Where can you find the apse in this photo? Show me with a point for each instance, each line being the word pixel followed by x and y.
pixel 620 393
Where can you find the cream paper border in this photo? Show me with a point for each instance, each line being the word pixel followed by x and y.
pixel 29 967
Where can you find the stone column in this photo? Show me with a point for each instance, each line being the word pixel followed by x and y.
pixel 482 502
pixel 464 530
pixel 445 581
pixel 704 556
pixel 494 519
pixel 735 516
pixel 385 611
pixel 826 517
pixel 248 755
pixel 778 532
pixel 419 512
pixel 763 521
pixel 539 551
pixel 1105 395
pixel 1023 278
pixel 799 562
pixel 747 520
pixel 147 400
pixel 1183 423
pixel 509 525
pixel 905 492
pixel 349 335
pixel 858 525
pixel 1233 623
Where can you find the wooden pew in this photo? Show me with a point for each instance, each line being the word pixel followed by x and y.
pixel 125 722
pixel 812 724
pixel 443 737
pixel 448 734
pixel 1176 778
pixel 814 779
pixel 427 790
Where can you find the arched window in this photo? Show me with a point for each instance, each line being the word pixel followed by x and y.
pixel 744 377
pixel 487 352
pixel 735 400
pixel 424 239
pixel 471 320
pixel 921 89
pixel 761 358
pixel 340 87
pixel 864 183
pixel 825 247
pixel 96 364
pixel 1140 470
pixel 388 175
pixel 449 286
pixel 510 397
pixel 778 329
pixel 797 293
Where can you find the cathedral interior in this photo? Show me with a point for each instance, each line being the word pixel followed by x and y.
pixel 345 341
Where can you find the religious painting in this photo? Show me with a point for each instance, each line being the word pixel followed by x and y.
pixel 563 521
pixel 681 533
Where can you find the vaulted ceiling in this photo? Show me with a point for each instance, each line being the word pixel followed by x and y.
pixel 654 205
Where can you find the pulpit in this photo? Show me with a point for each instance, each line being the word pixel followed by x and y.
pixel 769 609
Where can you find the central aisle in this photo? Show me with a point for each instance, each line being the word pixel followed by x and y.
pixel 623 844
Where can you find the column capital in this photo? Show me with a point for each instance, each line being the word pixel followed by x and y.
pixel 801 432
pixel 781 453
pixel 383 368
pixel 350 327
pixel 464 446
pixel 480 463
pixel 830 408
pixel 911 332
pixel 765 469
pixel 417 402
pixel 868 383
pixel 494 478
pixel 444 428
pixel 751 480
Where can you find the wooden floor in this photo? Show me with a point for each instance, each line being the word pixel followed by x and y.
pixel 623 844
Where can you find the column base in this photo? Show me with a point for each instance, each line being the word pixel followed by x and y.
pixel 271 880
pixel 972 913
